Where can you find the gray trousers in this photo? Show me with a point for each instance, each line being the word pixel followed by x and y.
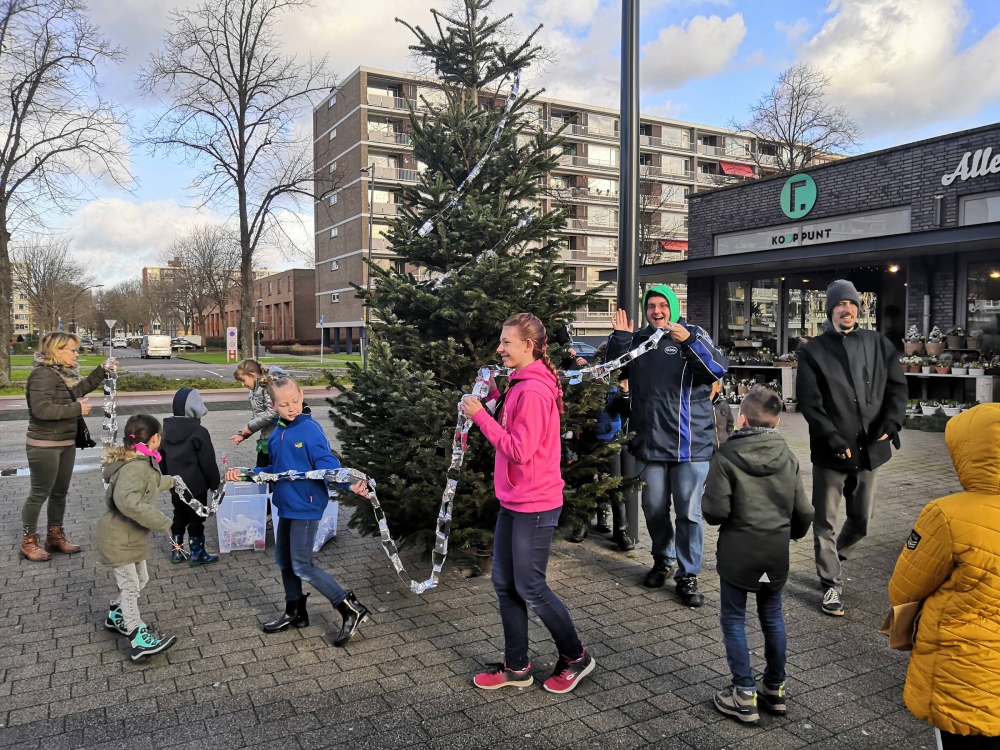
pixel 858 494
pixel 51 472
pixel 131 579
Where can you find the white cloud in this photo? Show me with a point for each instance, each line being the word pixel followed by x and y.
pixel 896 64
pixel 793 32
pixel 700 48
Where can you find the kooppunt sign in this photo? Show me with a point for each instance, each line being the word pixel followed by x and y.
pixel 977 163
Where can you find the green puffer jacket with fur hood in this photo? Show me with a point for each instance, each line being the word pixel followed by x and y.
pixel 134 483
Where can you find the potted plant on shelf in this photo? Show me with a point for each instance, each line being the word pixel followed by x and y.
pixel 935 343
pixel 950 408
pixel 976 368
pixel 914 342
pixel 929 408
pixel 787 360
pixel 956 338
pixel 791 405
pixel 925 365
pixel 975 339
pixel 913 406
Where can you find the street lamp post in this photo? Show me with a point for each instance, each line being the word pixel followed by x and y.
pixel 628 209
pixel 256 329
pixel 370 171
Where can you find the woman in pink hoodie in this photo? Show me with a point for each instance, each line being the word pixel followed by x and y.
pixel 530 489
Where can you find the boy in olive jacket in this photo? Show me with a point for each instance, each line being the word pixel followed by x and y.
pixel 754 492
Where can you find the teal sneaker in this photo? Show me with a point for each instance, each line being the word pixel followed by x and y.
pixel 146 643
pixel 116 620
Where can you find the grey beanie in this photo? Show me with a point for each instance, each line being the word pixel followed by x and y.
pixel 837 292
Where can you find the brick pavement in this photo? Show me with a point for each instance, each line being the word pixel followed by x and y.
pixel 66 682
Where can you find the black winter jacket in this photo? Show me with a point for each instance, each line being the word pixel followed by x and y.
pixel 53 408
pixel 754 492
pixel 828 399
pixel 671 393
pixel 188 453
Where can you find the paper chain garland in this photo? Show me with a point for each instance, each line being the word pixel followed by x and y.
pixel 453 202
pixel 459 447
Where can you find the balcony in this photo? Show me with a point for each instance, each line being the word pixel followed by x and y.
pixel 383 136
pixel 386 209
pixel 397 103
pixel 650 170
pixel 584 131
pixel 590 225
pixel 589 255
pixel 586 285
pixel 649 140
pixel 586 194
pixel 381 245
pixel 568 160
pixel 767 160
pixel 397 175
pixel 706 178
pixel 711 150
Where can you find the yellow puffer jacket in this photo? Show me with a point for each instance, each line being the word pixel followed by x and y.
pixel 952 562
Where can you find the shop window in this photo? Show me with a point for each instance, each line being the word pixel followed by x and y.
pixel 732 313
pixel 980 209
pixel 984 303
pixel 765 312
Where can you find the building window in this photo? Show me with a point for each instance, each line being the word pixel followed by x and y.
pixel 279 286
pixel 983 300
pixel 334 232
pixel 333 100
pixel 333 166
pixel 980 209
pixel 334 265
pixel 333 134
pixel 335 297
pixel 333 199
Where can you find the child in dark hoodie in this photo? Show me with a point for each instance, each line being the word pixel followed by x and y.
pixel 754 492
pixel 188 453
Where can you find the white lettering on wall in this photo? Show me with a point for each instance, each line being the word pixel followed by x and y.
pixel 978 164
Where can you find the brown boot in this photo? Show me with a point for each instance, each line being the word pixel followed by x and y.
pixel 31 550
pixel 55 541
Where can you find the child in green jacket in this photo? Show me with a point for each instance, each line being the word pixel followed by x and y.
pixel 134 482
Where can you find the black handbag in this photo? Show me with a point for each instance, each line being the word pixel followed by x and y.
pixel 83 439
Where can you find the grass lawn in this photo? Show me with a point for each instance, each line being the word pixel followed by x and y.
pixel 219 358
pixel 86 361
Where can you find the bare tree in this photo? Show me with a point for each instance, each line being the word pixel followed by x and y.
pixel 52 280
pixel 794 122
pixel 234 105
pixel 211 254
pixel 655 226
pixel 129 304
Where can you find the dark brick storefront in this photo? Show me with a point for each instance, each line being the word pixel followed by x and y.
pixel 917 227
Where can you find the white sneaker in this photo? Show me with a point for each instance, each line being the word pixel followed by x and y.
pixel 832 604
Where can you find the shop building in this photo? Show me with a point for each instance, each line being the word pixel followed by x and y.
pixel 915 227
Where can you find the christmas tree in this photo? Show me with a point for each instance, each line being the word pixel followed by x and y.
pixel 397 419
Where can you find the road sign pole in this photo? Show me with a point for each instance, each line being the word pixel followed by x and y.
pixel 111 335
pixel 321 330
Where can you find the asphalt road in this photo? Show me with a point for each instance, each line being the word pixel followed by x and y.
pixel 180 368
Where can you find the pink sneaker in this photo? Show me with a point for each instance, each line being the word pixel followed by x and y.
pixel 498 676
pixel 568 674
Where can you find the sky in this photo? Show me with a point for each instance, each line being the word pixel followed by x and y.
pixel 903 69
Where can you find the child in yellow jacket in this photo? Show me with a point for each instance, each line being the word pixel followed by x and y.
pixel 951 562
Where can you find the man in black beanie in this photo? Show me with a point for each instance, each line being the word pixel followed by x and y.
pixel 852 391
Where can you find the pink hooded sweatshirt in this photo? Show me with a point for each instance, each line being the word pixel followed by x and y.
pixel 526 474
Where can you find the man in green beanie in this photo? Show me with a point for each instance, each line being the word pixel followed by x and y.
pixel 674 425
pixel 852 391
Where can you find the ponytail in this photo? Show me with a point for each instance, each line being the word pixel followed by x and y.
pixel 531 328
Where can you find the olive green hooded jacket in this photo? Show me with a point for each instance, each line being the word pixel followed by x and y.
pixel 134 483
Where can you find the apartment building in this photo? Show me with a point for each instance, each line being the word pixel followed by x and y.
pixel 22 323
pixel 284 304
pixel 365 123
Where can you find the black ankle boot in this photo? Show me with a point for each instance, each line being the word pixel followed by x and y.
pixel 354 613
pixel 295 614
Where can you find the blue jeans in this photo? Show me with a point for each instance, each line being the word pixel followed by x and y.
pixel 683 483
pixel 732 616
pixel 293 552
pixel 521 548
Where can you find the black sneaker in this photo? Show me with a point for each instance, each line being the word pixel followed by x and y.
pixel 832 605
pixel 656 577
pixel 577 535
pixel 740 704
pixel 625 544
pixel 773 698
pixel 687 590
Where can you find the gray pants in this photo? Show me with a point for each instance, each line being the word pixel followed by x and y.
pixel 131 579
pixel 51 472
pixel 858 493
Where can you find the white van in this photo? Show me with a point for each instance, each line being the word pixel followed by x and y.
pixel 155 346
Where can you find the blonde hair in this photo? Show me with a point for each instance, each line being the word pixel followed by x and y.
pixel 278 382
pixel 254 368
pixel 54 341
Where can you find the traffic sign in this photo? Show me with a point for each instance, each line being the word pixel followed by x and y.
pixel 111 322
pixel 231 342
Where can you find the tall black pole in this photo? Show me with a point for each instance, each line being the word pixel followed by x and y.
pixel 628 209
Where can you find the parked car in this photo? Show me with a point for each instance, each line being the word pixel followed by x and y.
pixel 584 350
pixel 87 345
pixel 183 344
pixel 120 343
pixel 107 342
pixel 155 346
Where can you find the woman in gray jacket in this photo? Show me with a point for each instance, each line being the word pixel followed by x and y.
pixel 53 388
